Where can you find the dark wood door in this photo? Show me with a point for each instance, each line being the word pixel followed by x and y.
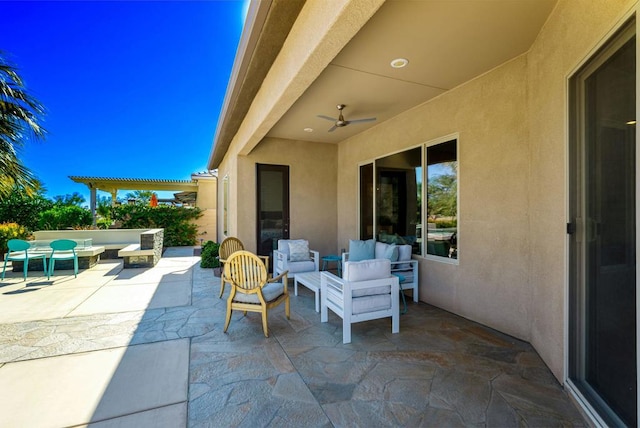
pixel 273 207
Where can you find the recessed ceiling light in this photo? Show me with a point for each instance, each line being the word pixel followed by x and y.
pixel 399 62
pixel 631 122
pixel 308 129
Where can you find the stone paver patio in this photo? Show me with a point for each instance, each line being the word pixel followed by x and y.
pixel 145 348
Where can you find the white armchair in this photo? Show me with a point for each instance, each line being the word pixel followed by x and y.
pixel 366 291
pixel 294 256
pixel 402 264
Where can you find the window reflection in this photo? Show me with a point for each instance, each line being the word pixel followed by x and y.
pixel 442 200
pixel 398 198
pixel 391 206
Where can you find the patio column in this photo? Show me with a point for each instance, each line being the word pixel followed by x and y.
pixel 114 194
pixel 92 203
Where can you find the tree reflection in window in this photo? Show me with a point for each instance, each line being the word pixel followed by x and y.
pixel 442 200
pixel 395 214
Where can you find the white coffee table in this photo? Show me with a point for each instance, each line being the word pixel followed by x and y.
pixel 311 280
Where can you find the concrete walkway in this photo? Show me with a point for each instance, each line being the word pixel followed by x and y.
pixel 145 348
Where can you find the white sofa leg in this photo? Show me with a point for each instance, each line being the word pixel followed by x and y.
pixel 324 316
pixel 416 285
pixel 395 308
pixel 395 322
pixel 346 329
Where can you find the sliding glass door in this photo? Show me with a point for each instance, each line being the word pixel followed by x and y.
pixel 603 357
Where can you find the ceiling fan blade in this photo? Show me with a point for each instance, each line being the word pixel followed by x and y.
pixel 321 116
pixel 368 119
pixel 333 128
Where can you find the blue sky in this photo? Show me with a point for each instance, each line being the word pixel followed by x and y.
pixel 132 89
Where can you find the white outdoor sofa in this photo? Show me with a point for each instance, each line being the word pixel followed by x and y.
pixel 401 262
pixel 366 291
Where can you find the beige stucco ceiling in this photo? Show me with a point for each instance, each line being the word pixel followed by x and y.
pixel 447 43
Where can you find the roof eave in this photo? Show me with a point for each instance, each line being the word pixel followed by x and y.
pixel 267 25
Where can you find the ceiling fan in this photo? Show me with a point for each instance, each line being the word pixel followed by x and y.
pixel 340 121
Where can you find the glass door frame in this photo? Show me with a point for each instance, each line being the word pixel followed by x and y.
pixel 285 170
pixel 575 159
pixel 374 199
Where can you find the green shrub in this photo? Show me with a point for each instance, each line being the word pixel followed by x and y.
pixel 176 221
pixel 23 209
pixel 64 217
pixel 209 255
pixel 442 223
pixel 11 231
pixel 103 223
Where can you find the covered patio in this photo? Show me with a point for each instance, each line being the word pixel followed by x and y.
pixel 145 347
pixel 481 120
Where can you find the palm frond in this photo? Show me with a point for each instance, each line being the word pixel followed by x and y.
pixel 20 117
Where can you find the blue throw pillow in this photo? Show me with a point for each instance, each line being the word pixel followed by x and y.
pixel 361 250
pixel 391 253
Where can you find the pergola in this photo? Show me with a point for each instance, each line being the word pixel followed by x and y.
pixel 112 185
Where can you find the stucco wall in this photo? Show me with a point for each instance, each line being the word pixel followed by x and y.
pixel 512 181
pixel 206 201
pixel 512 130
pixel 572 33
pixel 489 114
pixel 313 188
pixel 228 171
pixel 207 193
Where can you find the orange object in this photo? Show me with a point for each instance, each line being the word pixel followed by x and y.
pixel 154 200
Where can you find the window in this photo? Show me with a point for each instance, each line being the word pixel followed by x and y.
pixel 366 201
pixel 225 205
pixel 391 195
pixel 398 198
pixel 442 199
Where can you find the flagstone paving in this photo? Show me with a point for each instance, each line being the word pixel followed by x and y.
pixel 145 347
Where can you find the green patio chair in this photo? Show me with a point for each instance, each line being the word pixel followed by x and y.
pixel 18 250
pixel 63 249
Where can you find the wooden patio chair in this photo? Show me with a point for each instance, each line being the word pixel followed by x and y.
pixel 229 246
pixel 252 289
